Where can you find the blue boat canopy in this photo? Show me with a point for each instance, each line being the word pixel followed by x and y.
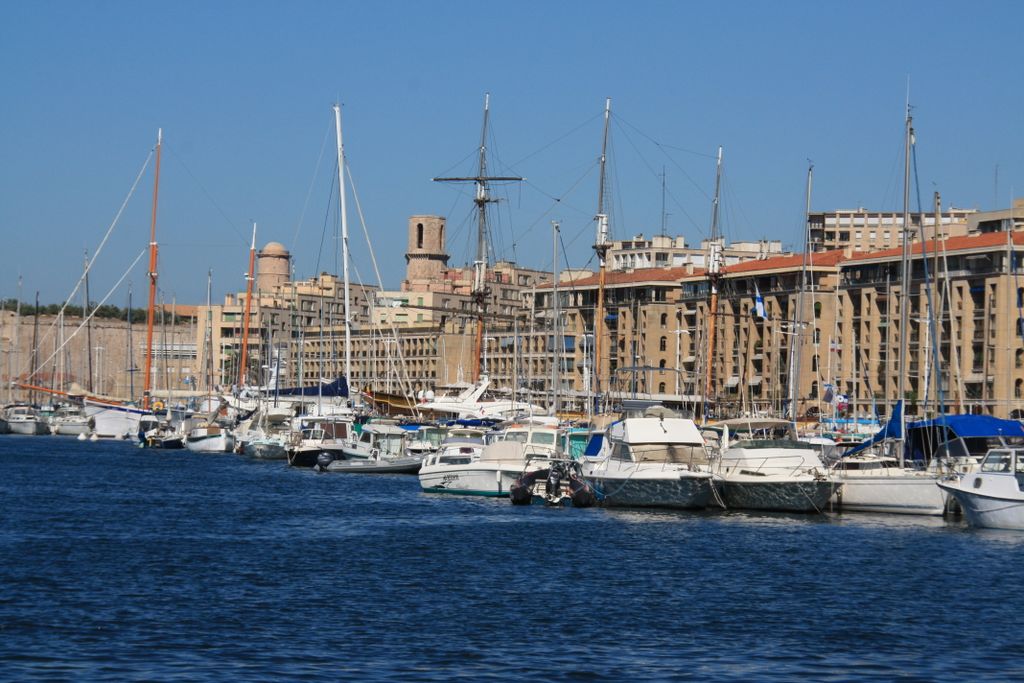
pixel 336 389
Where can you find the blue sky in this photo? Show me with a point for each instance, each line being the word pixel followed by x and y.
pixel 243 91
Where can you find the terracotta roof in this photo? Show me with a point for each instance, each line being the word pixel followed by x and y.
pixel 788 262
pixel 962 242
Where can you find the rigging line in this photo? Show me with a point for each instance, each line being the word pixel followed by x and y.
pixel 103 242
pixel 312 182
pixel 661 148
pixel 556 140
pixel 327 218
pixel 654 172
pixel 661 144
pixel 180 160
pixel 91 315
pixel 376 270
pixel 448 171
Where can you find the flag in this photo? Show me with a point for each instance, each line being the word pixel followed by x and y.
pixel 830 393
pixel 758 303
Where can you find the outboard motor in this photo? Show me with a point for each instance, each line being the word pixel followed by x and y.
pixel 323 459
pixel 553 485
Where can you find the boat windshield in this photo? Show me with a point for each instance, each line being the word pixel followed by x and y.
pixel 1000 461
pixel 390 443
pixel 545 438
pixel 517 436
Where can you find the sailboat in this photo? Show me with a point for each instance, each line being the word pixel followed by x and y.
pixel 119 419
pixel 880 480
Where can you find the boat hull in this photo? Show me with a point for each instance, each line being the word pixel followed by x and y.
pixel 678 492
pixel 266 450
pixel 113 421
pixel 210 443
pixel 907 495
pixel 28 427
pixel 988 512
pixel 70 427
pixel 804 495
pixel 403 465
pixel 474 480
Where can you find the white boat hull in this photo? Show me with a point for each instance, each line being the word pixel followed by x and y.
pixel 477 479
pixel 210 443
pixel 899 494
pixel 70 427
pixel 114 422
pixel 400 465
pixel 28 427
pixel 988 511
pixel 266 450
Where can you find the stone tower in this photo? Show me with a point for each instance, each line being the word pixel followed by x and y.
pixel 426 258
pixel 273 266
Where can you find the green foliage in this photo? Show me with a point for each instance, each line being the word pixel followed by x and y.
pixel 106 311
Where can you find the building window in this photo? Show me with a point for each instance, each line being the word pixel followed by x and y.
pixel 419 235
pixel 664 319
pixel 661 388
pixel 663 344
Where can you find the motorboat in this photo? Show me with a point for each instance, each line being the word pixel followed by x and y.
pixel 992 497
pixel 447 470
pixel 475 402
pixel 316 435
pixel 69 421
pixel 649 462
pixel 380 449
pixel 468 466
pixel 767 468
pixel 210 438
pixel 425 440
pixel 24 420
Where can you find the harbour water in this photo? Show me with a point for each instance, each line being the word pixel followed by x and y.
pixel 118 563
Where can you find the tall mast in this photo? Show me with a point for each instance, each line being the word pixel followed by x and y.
pixel 344 241
pixel 85 317
pixel 147 380
pixel 249 277
pixel 798 321
pixel 482 199
pixel 714 268
pixel 601 246
pixel 905 280
pixel 556 355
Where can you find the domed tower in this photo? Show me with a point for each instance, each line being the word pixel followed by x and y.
pixel 426 259
pixel 274 266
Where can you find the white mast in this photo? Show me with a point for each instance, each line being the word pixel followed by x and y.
pixel 556 355
pixel 344 242
pixel 905 284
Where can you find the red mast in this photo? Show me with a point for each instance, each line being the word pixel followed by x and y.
pixel 248 308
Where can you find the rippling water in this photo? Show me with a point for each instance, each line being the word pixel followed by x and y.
pixel 118 563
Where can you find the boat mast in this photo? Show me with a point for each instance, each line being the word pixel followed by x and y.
pixel 249 277
pixel 131 361
pixel 601 246
pixel 556 355
pixel 482 199
pixel 798 322
pixel 344 241
pixel 714 268
pixel 905 284
pixel 85 317
pixel 147 380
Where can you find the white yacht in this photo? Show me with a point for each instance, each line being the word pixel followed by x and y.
pixel 474 402
pixel 768 469
pixel 25 420
pixel 447 470
pixel 649 461
pixel 992 497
